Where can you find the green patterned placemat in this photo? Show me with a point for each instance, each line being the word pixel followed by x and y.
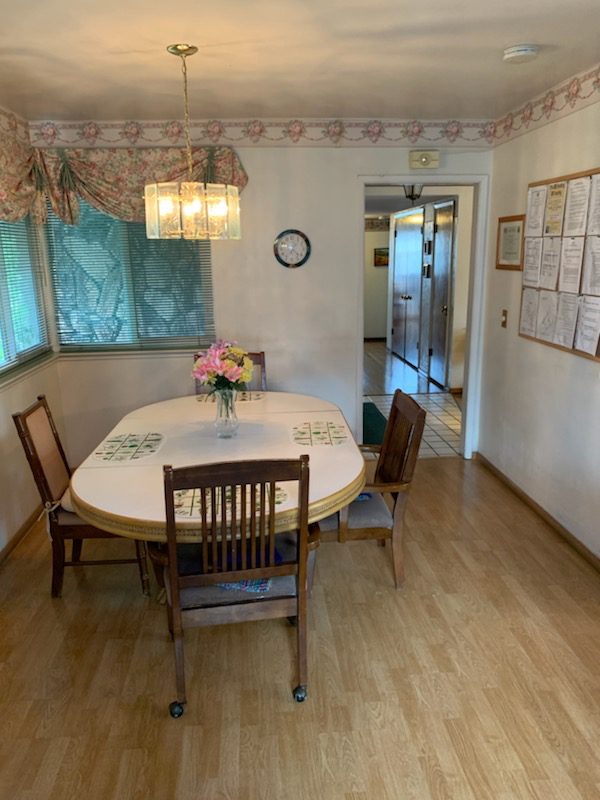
pixel 187 501
pixel 240 397
pixel 319 433
pixel 128 446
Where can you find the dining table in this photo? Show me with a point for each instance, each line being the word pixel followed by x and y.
pixel 119 487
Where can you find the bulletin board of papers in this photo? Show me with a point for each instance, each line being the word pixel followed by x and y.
pixel 560 300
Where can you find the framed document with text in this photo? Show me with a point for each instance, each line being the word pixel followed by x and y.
pixel 560 294
pixel 509 247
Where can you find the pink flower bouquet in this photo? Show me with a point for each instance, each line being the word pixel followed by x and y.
pixel 224 366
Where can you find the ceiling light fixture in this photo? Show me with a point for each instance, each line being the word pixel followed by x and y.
pixel 520 53
pixel 188 209
pixel 412 191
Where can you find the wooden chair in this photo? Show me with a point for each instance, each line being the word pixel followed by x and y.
pixel 259 377
pixel 51 472
pixel 240 570
pixel 370 516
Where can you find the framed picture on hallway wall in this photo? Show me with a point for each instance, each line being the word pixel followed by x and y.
pixel 509 246
pixel 381 256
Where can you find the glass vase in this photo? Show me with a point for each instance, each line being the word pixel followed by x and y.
pixel 226 421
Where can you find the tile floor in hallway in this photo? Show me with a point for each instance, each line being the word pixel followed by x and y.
pixel 441 436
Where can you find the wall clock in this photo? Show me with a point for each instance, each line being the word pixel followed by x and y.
pixel 292 248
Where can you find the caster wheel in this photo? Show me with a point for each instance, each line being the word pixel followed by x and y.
pixel 300 694
pixel 175 710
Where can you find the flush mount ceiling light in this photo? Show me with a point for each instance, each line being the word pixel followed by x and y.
pixel 412 191
pixel 189 209
pixel 520 53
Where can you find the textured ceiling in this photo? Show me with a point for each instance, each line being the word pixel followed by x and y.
pixel 66 60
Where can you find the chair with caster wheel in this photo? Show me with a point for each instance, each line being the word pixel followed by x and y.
pixel 241 568
pixel 51 472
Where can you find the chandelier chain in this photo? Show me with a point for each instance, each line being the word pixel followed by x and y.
pixel 186 116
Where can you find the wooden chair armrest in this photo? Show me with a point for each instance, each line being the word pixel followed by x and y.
pixel 381 488
pixel 369 448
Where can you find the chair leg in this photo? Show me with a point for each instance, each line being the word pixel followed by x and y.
pixel 343 515
pixel 300 691
pixel 76 547
pixel 58 565
pixel 140 552
pixel 177 706
pixel 397 536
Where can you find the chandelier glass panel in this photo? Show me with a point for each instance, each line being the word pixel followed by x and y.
pixel 190 209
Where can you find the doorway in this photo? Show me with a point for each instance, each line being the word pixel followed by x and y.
pixel 423 356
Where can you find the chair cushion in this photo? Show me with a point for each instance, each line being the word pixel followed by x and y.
pixel 65 513
pixel 218 595
pixel 189 556
pixel 65 501
pixel 369 510
pixel 68 518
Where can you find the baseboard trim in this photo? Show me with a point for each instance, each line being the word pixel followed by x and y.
pixel 565 534
pixel 20 534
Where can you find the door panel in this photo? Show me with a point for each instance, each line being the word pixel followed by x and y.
pixel 426 271
pixel 440 304
pixel 407 284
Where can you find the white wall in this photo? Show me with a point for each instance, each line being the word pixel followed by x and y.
pixel 539 406
pixel 308 320
pixel 375 287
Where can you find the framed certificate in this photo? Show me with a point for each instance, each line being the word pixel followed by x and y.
pixel 509 246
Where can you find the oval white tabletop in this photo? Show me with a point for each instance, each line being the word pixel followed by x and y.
pixel 119 487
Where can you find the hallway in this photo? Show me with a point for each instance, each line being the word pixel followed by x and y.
pixel 384 373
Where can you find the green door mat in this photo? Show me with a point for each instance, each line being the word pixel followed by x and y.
pixel 373 424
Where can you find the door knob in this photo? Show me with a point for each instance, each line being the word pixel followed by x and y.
pixel 444 309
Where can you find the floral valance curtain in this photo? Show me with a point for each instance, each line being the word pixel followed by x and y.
pixel 111 180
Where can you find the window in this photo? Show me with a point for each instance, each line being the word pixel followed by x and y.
pixel 115 288
pixel 23 332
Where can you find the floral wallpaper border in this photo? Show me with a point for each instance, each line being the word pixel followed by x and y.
pixel 565 98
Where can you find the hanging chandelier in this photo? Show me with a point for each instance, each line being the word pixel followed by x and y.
pixel 189 209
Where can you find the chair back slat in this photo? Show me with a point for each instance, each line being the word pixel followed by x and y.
pixel 44 450
pixel 237 505
pixel 401 441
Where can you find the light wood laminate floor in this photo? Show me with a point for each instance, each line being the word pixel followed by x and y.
pixel 479 680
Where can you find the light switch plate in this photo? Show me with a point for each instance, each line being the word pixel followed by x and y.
pixel 424 159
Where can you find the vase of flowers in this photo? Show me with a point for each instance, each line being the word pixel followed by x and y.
pixel 225 369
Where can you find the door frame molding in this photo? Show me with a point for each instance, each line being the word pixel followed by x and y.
pixel 477 284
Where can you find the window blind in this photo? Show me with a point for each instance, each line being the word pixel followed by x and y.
pixel 23 330
pixel 114 288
